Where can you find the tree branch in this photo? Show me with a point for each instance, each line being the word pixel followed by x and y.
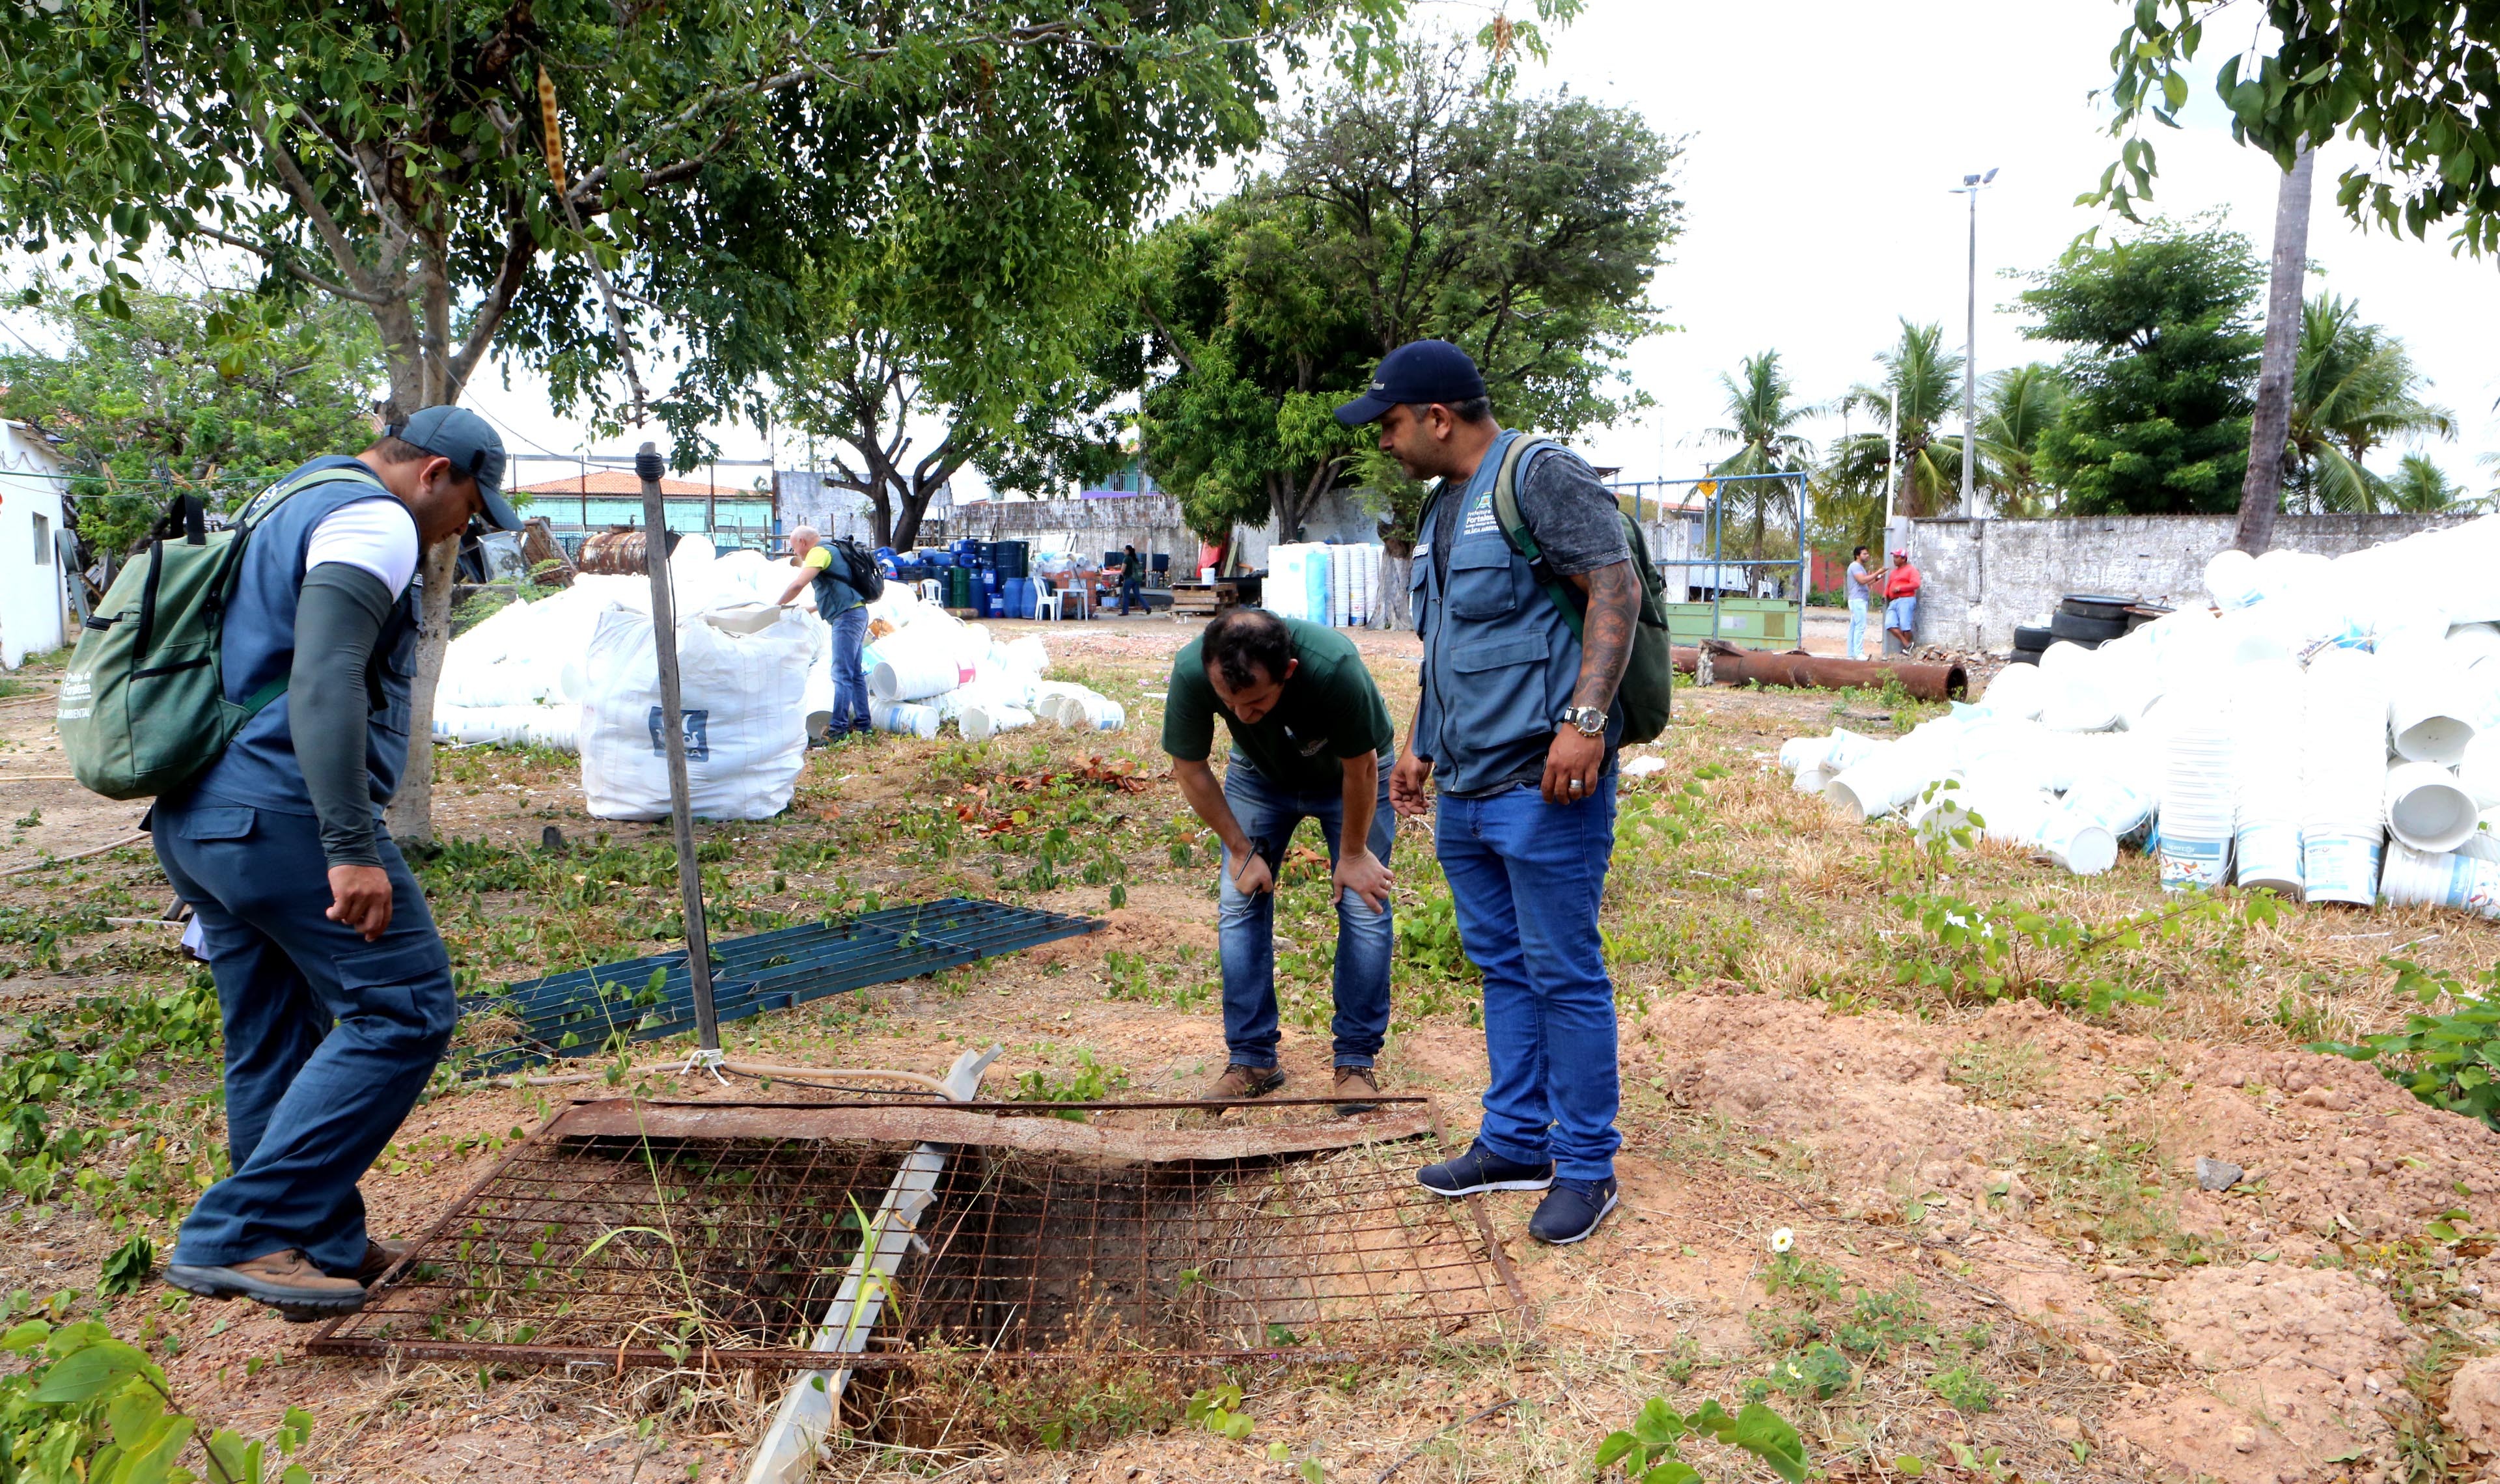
pixel 520 250
pixel 342 250
pixel 286 262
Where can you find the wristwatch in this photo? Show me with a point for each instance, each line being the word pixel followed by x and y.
pixel 1588 720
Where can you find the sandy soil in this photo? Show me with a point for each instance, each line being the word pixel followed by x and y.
pixel 2030 1173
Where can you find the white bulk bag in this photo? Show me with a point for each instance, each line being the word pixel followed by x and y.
pixel 742 679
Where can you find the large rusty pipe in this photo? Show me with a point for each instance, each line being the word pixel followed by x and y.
pixel 1730 666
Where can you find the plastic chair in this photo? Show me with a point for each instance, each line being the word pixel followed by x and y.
pixel 1046 601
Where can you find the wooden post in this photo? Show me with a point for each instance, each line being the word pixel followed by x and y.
pixel 664 639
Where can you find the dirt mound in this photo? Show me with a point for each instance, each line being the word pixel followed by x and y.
pixel 2474 1403
pixel 2299 1361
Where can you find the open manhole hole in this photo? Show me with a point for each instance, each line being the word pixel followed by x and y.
pixel 732 1235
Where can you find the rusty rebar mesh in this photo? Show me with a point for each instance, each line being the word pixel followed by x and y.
pixel 729 1251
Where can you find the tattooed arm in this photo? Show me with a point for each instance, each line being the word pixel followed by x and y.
pixel 1614 597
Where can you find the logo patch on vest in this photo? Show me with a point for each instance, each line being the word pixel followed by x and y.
pixel 1480 521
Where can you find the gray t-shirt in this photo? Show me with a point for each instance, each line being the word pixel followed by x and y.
pixel 1574 518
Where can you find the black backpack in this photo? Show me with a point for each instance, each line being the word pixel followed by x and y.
pixel 865 576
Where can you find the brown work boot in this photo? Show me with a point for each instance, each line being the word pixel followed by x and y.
pixel 1240 1081
pixel 286 1281
pixel 1354 1085
pixel 380 1257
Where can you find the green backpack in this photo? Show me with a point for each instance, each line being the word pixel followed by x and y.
pixel 143 706
pixel 1650 676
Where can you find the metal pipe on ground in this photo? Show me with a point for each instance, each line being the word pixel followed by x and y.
pixel 1731 666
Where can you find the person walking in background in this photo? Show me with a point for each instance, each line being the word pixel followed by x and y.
pixel 1517 729
pixel 1311 740
pixel 841 606
pixel 1133 576
pixel 333 986
pixel 1857 587
pixel 1901 600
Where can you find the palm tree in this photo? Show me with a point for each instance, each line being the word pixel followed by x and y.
pixel 1924 374
pixel 2354 388
pixel 1762 420
pixel 2020 405
pixel 2421 485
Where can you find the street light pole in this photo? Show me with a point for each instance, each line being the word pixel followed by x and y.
pixel 1970 186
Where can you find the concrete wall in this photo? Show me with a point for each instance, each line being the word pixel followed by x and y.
pixel 1152 524
pixel 1985 577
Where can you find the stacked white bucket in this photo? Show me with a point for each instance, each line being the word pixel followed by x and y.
pixel 2330 729
pixel 2269 702
pixel 2199 800
pixel 1322 582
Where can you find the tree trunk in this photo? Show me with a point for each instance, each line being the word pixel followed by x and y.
pixel 409 815
pixel 1389 609
pixel 2270 428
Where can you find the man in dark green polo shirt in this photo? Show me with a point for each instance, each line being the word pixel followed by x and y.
pixel 1311 740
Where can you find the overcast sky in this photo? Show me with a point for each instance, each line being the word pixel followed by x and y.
pixel 1822 138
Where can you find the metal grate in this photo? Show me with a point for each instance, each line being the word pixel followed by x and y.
pixel 655 1251
pixel 575 1013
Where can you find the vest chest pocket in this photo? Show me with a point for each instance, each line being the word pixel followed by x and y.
pixel 1480 581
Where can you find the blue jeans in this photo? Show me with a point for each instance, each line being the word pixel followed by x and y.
pixel 1129 593
pixel 1245 925
pixel 1902 614
pixel 1526 877
pixel 850 685
pixel 328 1038
pixel 1857 628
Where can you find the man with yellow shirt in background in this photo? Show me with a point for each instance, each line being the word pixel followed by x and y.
pixel 841 606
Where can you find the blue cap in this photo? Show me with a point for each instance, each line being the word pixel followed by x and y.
pixel 1419 371
pixel 473 447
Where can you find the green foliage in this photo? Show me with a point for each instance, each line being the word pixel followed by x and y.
pixel 1886 1321
pixel 73 1073
pixel 2160 379
pixel 1425 203
pixel 1816 1373
pixel 2449 1061
pixel 1963 1391
pixel 2016 409
pixel 1089 1082
pixel 1219 1410
pixel 1648 1449
pixel 89 1409
pixel 1761 426
pixel 128 1266
pixel 1922 377
pixel 212 394
pixel 1983 953
pixel 2414 82
pixel 2354 388
pixel 401 161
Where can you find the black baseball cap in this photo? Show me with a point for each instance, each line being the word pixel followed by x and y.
pixel 1419 371
pixel 473 447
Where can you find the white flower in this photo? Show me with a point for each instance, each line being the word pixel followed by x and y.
pixel 1783 1240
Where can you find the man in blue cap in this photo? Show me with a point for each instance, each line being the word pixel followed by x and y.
pixel 333 984
pixel 1517 727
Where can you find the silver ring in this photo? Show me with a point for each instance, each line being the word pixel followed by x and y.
pixel 1575 786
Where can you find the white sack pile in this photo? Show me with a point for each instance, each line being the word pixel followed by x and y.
pixel 934 668
pixel 576 671
pixel 2330 729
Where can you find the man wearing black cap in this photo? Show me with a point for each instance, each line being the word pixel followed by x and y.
pixel 309 911
pixel 1516 730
